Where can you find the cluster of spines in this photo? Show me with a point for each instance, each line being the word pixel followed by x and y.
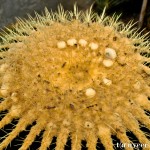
pixel 87 17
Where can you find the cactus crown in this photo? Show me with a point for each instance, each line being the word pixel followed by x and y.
pixel 76 74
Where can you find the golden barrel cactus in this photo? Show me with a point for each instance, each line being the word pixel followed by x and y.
pixel 78 75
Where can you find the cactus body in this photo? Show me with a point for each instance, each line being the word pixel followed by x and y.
pixel 76 74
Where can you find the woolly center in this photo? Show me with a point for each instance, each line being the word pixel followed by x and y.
pixel 48 72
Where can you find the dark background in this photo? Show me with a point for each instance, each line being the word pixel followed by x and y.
pixel 9 9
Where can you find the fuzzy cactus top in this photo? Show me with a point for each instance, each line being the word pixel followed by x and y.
pixel 78 74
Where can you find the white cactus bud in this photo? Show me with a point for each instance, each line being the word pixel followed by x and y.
pixel 107 62
pixel 90 92
pixel 82 42
pixel 93 46
pixel 72 42
pixel 110 53
pixel 61 44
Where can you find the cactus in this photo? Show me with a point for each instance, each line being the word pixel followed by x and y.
pixel 75 74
